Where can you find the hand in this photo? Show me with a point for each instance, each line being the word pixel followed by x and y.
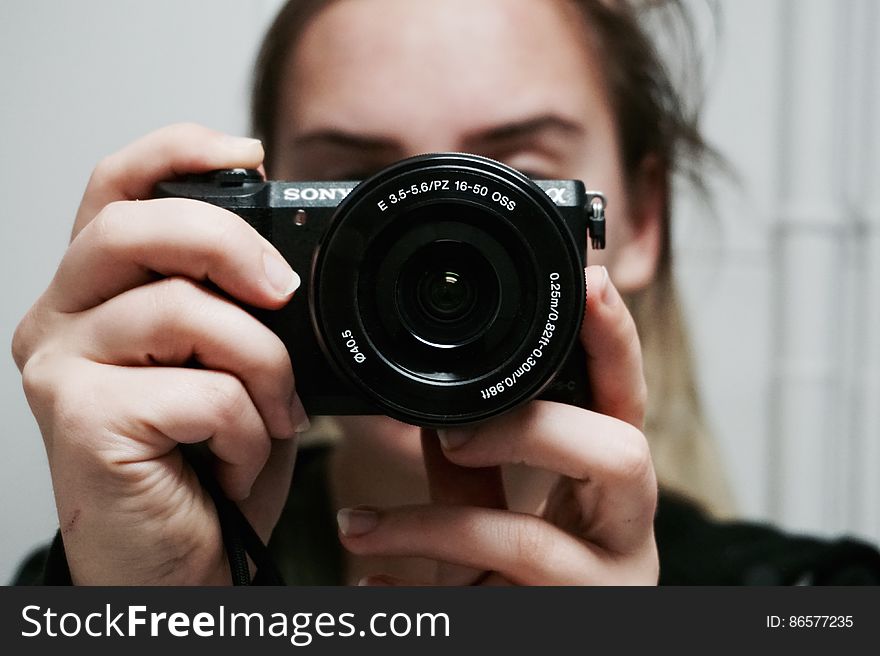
pixel 106 356
pixel 596 524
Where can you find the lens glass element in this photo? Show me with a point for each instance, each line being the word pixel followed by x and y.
pixel 447 293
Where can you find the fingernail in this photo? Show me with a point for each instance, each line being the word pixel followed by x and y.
pixel 610 295
pixel 279 275
pixel 241 494
pixel 356 521
pixel 298 415
pixel 452 438
pixel 241 143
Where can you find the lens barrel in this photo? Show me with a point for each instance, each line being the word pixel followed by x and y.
pixel 447 289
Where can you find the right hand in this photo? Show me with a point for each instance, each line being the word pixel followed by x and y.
pixel 106 354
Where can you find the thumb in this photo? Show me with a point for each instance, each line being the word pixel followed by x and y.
pixel 614 354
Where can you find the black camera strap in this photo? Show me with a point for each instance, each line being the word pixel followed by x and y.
pixel 240 540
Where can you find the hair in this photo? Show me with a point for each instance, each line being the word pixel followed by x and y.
pixel 652 119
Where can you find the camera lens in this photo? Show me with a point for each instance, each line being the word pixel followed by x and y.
pixel 447 294
pixel 447 289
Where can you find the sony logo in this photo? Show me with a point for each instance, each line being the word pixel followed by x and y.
pixel 316 193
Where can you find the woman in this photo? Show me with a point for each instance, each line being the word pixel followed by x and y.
pixel 557 89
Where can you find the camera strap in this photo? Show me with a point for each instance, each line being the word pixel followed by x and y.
pixel 240 540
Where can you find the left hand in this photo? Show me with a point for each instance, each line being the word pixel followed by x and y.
pixel 595 527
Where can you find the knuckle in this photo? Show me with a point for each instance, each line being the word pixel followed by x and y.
pixel 277 353
pixel 528 540
pixel 24 337
pixel 225 235
pixel 633 458
pixel 174 294
pixel 171 302
pixel 62 394
pixel 109 225
pixel 105 170
pixel 227 399
pixel 272 359
pixel 36 378
pixel 73 406
pixel 65 410
pixel 42 364
pixel 21 345
pixel 216 233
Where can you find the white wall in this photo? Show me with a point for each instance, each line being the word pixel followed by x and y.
pixel 781 309
pixel 80 80
pixel 783 296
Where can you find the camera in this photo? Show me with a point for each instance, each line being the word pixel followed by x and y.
pixel 443 290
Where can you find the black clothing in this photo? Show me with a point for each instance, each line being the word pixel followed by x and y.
pixel 694 549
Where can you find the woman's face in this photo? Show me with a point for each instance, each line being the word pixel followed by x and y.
pixel 373 81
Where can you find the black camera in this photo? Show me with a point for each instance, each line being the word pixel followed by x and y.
pixel 443 290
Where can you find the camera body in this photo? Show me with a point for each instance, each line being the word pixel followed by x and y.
pixel 443 290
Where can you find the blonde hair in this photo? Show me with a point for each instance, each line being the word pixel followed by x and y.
pixel 685 456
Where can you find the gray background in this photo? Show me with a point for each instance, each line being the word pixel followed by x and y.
pixel 781 286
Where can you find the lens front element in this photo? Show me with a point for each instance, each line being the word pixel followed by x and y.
pixel 448 294
pixel 445 296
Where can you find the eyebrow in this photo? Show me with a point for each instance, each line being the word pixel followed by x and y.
pixel 487 136
pixel 525 128
pixel 344 139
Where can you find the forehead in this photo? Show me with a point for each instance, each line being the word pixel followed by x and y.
pixel 396 65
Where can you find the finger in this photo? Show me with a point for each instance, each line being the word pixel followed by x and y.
pixel 614 356
pixel 452 484
pixel 186 322
pixel 172 151
pixel 129 243
pixel 523 548
pixel 608 460
pixel 158 408
pixel 264 504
